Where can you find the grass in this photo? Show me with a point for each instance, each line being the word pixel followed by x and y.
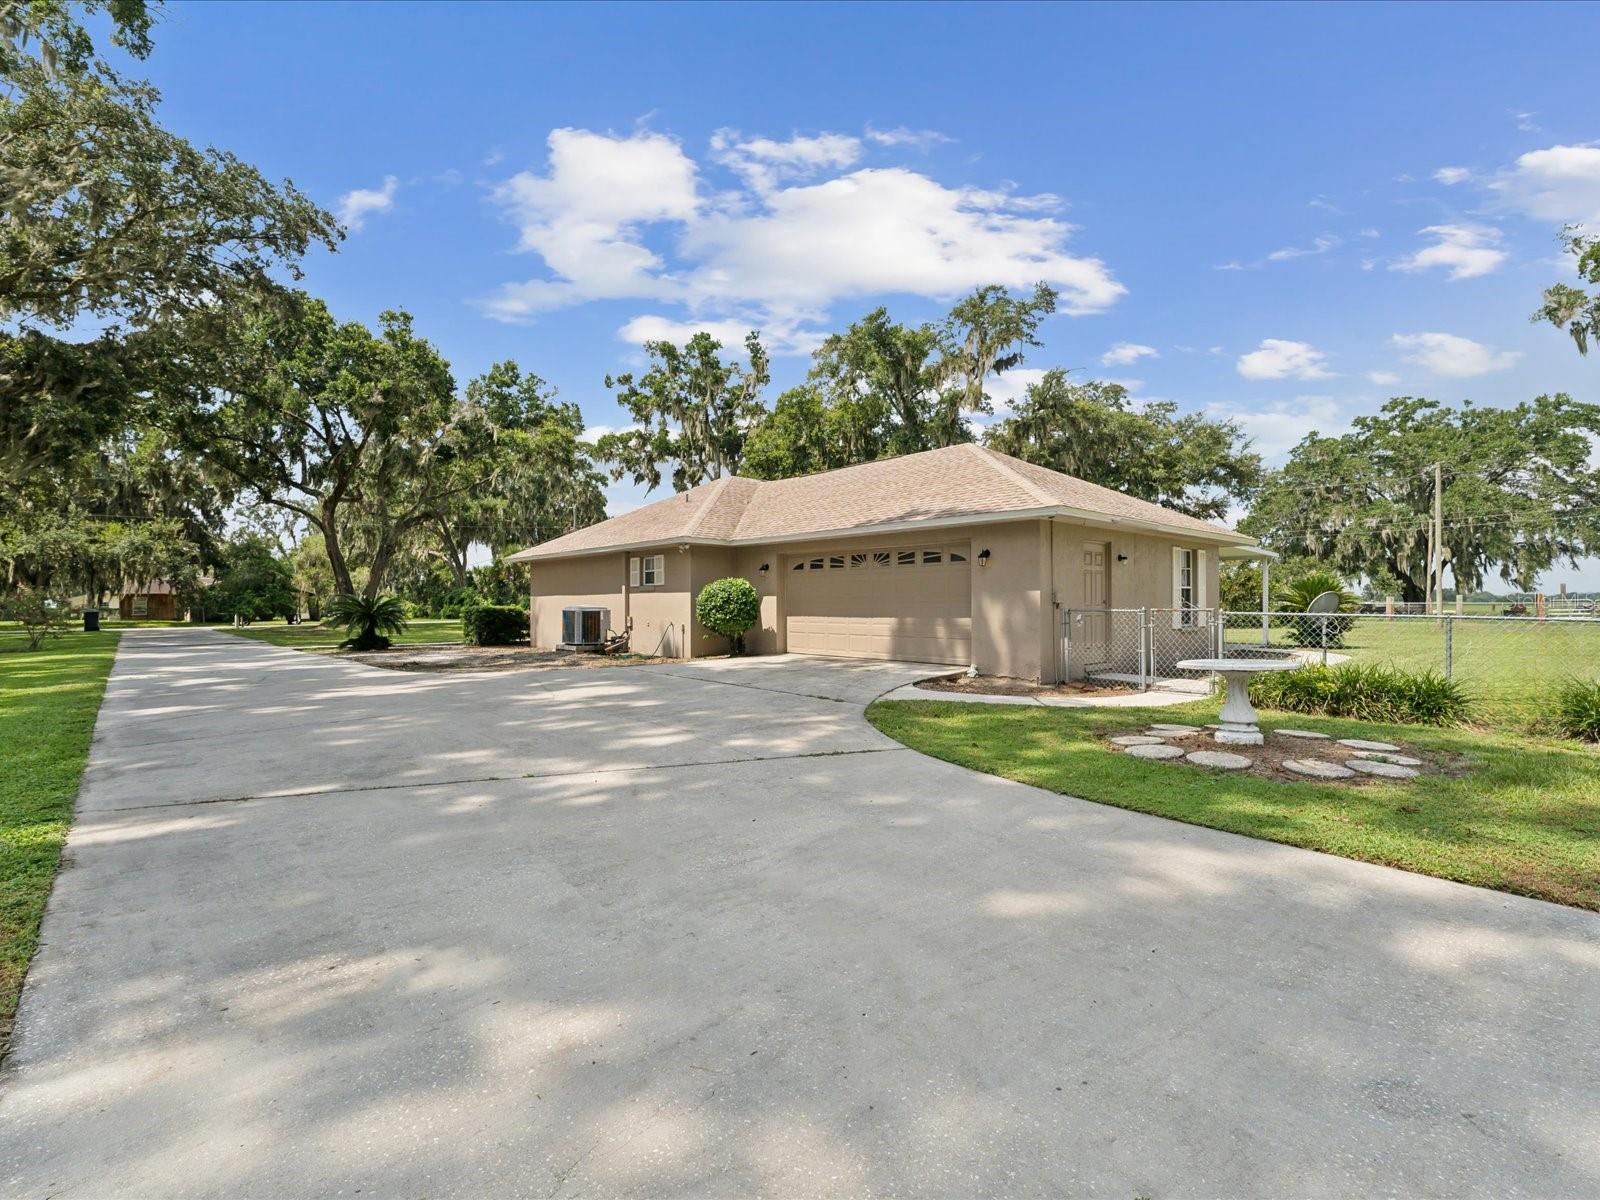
pixel 318 637
pixel 1517 813
pixel 1512 669
pixel 48 701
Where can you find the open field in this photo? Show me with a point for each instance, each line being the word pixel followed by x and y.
pixel 48 701
pixel 1522 816
pixel 1510 666
pixel 319 637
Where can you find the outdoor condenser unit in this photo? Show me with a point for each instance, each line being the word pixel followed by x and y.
pixel 584 626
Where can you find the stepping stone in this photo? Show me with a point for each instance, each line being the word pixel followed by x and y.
pixel 1163 727
pixel 1316 768
pixel 1387 770
pixel 1358 744
pixel 1305 734
pixel 1174 752
pixel 1136 739
pixel 1399 760
pixel 1220 759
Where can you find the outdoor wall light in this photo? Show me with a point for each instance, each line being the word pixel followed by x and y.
pixel 765 567
pixel 983 557
pixel 1122 558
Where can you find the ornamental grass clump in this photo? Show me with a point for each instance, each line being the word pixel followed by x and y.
pixel 1577 709
pixel 1365 692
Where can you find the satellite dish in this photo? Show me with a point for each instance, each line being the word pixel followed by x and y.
pixel 1326 603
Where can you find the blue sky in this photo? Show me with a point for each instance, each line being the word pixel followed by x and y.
pixel 1282 215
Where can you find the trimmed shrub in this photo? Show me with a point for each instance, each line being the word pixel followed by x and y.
pixel 1366 692
pixel 457 601
pixel 729 607
pixel 1577 713
pixel 494 625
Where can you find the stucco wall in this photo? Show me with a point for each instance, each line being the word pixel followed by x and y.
pixel 1010 600
pixel 1143 581
pixel 553 586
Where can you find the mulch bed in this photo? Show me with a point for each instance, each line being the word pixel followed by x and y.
pixel 994 685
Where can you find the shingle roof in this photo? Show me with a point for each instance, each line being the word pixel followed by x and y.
pixel 937 485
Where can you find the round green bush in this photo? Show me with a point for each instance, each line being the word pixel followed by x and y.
pixel 729 607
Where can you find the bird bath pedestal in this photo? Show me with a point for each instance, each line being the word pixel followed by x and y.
pixel 1239 726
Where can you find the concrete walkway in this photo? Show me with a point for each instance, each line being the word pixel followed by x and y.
pixel 691 930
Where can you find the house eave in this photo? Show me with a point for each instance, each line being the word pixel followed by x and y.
pixel 1220 537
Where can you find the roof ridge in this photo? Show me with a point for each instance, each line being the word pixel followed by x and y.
pixel 718 486
pixel 996 460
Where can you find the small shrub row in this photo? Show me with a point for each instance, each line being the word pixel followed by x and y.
pixel 1577 709
pixel 494 625
pixel 1365 692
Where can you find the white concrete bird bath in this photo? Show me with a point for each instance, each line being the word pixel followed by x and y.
pixel 1239 726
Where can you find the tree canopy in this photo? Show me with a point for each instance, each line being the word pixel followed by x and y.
pixel 1519 492
pixel 1570 308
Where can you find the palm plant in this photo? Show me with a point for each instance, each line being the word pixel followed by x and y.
pixel 1297 594
pixel 368 619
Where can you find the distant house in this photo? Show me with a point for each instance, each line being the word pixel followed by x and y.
pixel 153 601
pixel 960 555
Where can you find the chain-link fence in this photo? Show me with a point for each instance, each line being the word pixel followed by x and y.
pixel 1510 666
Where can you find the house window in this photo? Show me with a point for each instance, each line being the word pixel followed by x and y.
pixel 906 558
pixel 932 557
pixel 836 562
pixel 857 561
pixel 1186 586
pixel 957 556
pixel 649 571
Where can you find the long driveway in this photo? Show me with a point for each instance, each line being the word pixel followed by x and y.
pixel 698 930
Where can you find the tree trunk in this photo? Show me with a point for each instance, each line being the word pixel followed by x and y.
pixel 381 555
pixel 330 541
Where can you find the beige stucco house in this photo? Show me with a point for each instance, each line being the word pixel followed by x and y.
pixel 960 555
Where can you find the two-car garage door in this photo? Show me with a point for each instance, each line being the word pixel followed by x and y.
pixel 910 604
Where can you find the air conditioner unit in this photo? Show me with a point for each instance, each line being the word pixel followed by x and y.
pixel 584 628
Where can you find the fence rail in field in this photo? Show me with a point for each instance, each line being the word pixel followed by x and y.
pixel 1511 665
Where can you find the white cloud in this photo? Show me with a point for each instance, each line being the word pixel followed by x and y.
pixel 1451 356
pixel 1466 251
pixel 1525 120
pixel 356 206
pixel 763 162
pixel 1280 427
pixel 920 139
pixel 1320 245
pixel 1124 353
pixel 1325 204
pixel 1007 388
pixel 1558 185
pixel 1450 176
pixel 1370 233
pixel 1383 378
pixel 778 336
pixel 1279 359
pixel 779 248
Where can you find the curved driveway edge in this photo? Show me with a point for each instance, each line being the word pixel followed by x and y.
pixel 698 929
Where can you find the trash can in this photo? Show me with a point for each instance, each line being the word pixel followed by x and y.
pixel 91 620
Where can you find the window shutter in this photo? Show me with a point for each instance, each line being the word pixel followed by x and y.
pixel 1177 587
pixel 633 572
pixel 1200 600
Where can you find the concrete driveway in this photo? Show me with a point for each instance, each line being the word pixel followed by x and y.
pixel 698 930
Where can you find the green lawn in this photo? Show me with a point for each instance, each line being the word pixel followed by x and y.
pixel 316 637
pixel 1511 668
pixel 48 701
pixel 1523 817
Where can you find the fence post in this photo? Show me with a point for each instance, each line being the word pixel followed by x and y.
pixel 1324 639
pixel 1216 624
pixel 1449 645
pixel 1145 636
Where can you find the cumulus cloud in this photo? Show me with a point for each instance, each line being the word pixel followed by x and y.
pixel 1558 185
pixel 1007 388
pixel 1451 356
pixel 1279 359
pixel 1450 176
pixel 630 217
pixel 1124 353
pixel 1383 378
pixel 356 206
pixel 1280 427
pixel 1466 251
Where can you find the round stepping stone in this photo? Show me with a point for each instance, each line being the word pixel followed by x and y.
pixel 1136 739
pixel 1174 752
pixel 1316 768
pixel 1163 727
pixel 1387 770
pixel 1304 734
pixel 1399 760
pixel 1358 744
pixel 1220 759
